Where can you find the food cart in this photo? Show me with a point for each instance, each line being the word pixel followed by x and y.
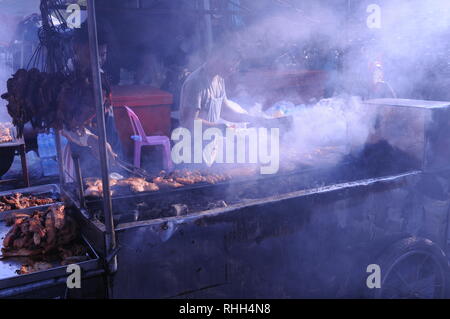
pixel 308 231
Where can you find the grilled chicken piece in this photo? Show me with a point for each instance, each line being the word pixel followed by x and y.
pixel 185 180
pixel 59 215
pixel 138 184
pixel 36 226
pixel 151 187
pixel 160 181
pixel 93 191
pixel 36 239
pixel 97 182
pixel 50 229
pixel 145 187
pixel 9 238
pixel 19 243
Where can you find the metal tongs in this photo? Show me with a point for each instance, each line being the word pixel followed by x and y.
pixel 132 169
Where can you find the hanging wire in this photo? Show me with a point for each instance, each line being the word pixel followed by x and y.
pixel 52 54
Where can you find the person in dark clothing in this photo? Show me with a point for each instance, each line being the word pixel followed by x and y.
pixel 85 144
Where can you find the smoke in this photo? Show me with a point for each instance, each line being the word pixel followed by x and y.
pixel 322 134
pixel 413 36
pixel 5 66
pixel 4 74
pixel 11 13
pixel 409 39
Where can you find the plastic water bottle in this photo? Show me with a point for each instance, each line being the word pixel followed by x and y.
pixel 47 153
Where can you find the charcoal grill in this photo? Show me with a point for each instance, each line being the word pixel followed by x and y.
pixel 338 207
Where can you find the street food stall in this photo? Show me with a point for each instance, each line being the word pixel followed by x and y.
pixel 374 192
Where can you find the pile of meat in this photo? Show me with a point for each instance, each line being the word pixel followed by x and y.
pixel 21 201
pixel 42 233
pixel 5 133
pixel 50 100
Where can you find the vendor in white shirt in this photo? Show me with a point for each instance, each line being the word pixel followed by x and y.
pixel 203 94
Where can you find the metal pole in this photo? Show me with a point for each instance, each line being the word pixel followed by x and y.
pixel 98 93
pixel 59 157
pixel 79 178
pixel 208 27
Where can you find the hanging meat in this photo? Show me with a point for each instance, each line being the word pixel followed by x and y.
pixel 52 100
pixel 31 98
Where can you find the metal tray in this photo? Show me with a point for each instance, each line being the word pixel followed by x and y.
pixel 13 143
pixel 8 266
pixel 35 190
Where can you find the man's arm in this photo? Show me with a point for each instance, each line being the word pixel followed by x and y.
pixel 190 107
pixel 88 140
pixel 228 113
pixel 189 115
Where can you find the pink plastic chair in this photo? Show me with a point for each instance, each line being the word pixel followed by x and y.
pixel 141 139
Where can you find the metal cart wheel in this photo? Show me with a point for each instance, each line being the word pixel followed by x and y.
pixel 414 268
pixel 6 159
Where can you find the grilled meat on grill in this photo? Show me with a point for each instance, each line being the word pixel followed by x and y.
pixel 176 179
pixel 95 186
pixel 168 182
pixel 135 184
pixel 193 177
pixel 139 185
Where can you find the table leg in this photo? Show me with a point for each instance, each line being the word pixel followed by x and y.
pixel 23 159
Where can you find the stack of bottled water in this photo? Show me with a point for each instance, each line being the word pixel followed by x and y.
pixel 47 152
